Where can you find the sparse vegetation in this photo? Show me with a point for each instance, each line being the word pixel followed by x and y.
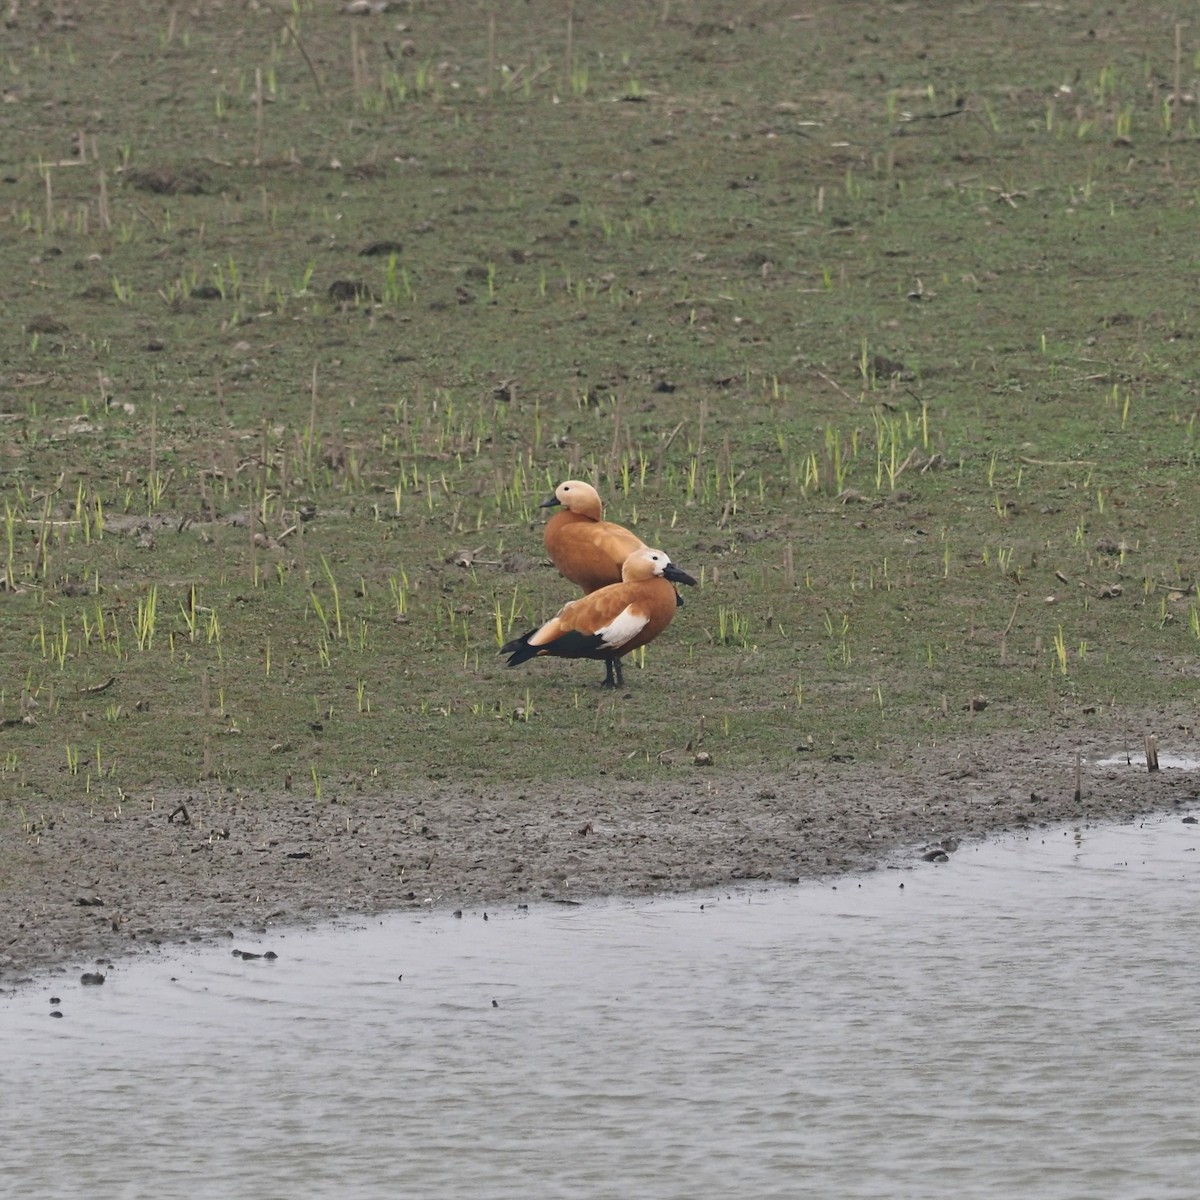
pixel 898 362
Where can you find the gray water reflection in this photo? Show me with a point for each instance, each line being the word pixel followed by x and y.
pixel 1020 1022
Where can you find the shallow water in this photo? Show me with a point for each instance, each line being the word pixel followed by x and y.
pixel 1167 761
pixel 1020 1021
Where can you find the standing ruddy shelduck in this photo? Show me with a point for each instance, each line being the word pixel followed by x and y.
pixel 611 621
pixel 586 549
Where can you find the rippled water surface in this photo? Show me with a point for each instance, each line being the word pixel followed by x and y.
pixel 1019 1022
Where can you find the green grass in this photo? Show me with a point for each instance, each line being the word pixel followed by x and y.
pixel 893 350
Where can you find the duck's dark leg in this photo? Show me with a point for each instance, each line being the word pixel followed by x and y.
pixel 614 677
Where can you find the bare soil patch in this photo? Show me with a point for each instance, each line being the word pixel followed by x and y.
pixel 178 868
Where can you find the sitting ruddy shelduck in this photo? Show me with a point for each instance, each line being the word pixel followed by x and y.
pixel 611 621
pixel 586 549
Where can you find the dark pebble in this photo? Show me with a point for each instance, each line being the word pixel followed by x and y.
pixel 57 1012
pixel 375 249
pixel 91 978
pixel 350 291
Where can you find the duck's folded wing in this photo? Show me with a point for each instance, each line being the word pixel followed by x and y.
pixel 624 627
pixel 614 540
pixel 590 553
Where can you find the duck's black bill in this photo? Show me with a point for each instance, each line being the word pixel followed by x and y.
pixel 675 575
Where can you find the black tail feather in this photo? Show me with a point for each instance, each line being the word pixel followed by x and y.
pixel 569 645
pixel 519 650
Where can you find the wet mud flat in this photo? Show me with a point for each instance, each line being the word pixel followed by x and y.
pixel 159 872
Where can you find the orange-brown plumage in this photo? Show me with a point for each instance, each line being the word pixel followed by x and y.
pixel 585 548
pixel 611 621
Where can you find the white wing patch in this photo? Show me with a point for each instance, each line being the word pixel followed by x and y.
pixel 624 627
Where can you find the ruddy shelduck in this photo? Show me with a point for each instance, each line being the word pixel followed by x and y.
pixel 585 548
pixel 611 621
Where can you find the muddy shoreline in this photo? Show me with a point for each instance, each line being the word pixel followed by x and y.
pixel 81 885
